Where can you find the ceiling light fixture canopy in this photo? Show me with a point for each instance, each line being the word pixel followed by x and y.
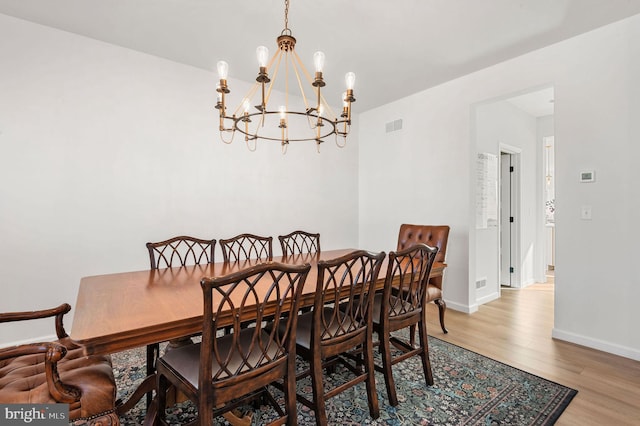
pixel 316 120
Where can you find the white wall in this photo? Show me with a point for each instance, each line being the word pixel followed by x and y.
pixel 103 149
pixel 422 175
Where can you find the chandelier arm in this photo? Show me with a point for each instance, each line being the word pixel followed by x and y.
pixel 306 73
pixel 338 144
pixel 274 78
pixel 248 96
pixel 295 69
pixel 273 59
pixel 286 80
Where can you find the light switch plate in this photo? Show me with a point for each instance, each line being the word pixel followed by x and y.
pixel 585 213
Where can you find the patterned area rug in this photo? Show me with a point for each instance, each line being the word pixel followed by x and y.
pixel 469 389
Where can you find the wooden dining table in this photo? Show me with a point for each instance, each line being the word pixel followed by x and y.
pixel 122 311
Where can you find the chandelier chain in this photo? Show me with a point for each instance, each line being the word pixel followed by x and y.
pixel 286 15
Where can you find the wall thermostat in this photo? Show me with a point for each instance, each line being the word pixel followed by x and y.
pixel 587 176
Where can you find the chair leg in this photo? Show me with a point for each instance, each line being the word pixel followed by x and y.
pixel 161 399
pixel 442 306
pixel 290 395
pixel 412 335
pixel 374 409
pixel 318 392
pixel 424 353
pixel 385 352
pixel 153 353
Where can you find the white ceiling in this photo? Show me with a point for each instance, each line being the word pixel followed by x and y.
pixel 395 47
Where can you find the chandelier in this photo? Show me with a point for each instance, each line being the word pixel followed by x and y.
pixel 296 118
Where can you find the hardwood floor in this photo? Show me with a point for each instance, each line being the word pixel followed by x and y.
pixel 516 330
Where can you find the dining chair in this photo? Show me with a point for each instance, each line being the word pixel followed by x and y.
pixel 433 236
pixel 327 333
pixel 176 251
pixel 58 372
pixel 299 242
pixel 181 251
pixel 402 304
pixel 247 246
pixel 224 371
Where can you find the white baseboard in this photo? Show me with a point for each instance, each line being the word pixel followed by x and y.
pixel 488 298
pixel 600 345
pixel 462 308
pixel 49 338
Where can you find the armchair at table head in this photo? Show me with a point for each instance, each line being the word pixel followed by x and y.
pixel 299 242
pixel 58 372
pixel 247 246
pixel 433 236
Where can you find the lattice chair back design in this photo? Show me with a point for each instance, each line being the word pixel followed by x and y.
pixel 299 242
pixel 402 305
pixel 247 246
pixel 181 251
pixel 58 372
pixel 223 371
pixel 341 321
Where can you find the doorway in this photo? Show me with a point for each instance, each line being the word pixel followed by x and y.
pixel 509 228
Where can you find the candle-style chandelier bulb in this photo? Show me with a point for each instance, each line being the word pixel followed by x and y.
pixel 350 79
pixel 262 54
pixel 318 61
pixel 223 70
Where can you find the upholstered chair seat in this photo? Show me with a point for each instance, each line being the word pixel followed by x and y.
pixel 86 383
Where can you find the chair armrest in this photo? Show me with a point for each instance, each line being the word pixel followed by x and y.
pixel 53 352
pixel 57 312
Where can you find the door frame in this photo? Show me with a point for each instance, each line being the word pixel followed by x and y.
pixel 516 261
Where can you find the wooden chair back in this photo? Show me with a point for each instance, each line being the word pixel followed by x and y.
pixel 181 251
pixel 299 242
pixel 405 287
pixel 247 246
pixel 346 282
